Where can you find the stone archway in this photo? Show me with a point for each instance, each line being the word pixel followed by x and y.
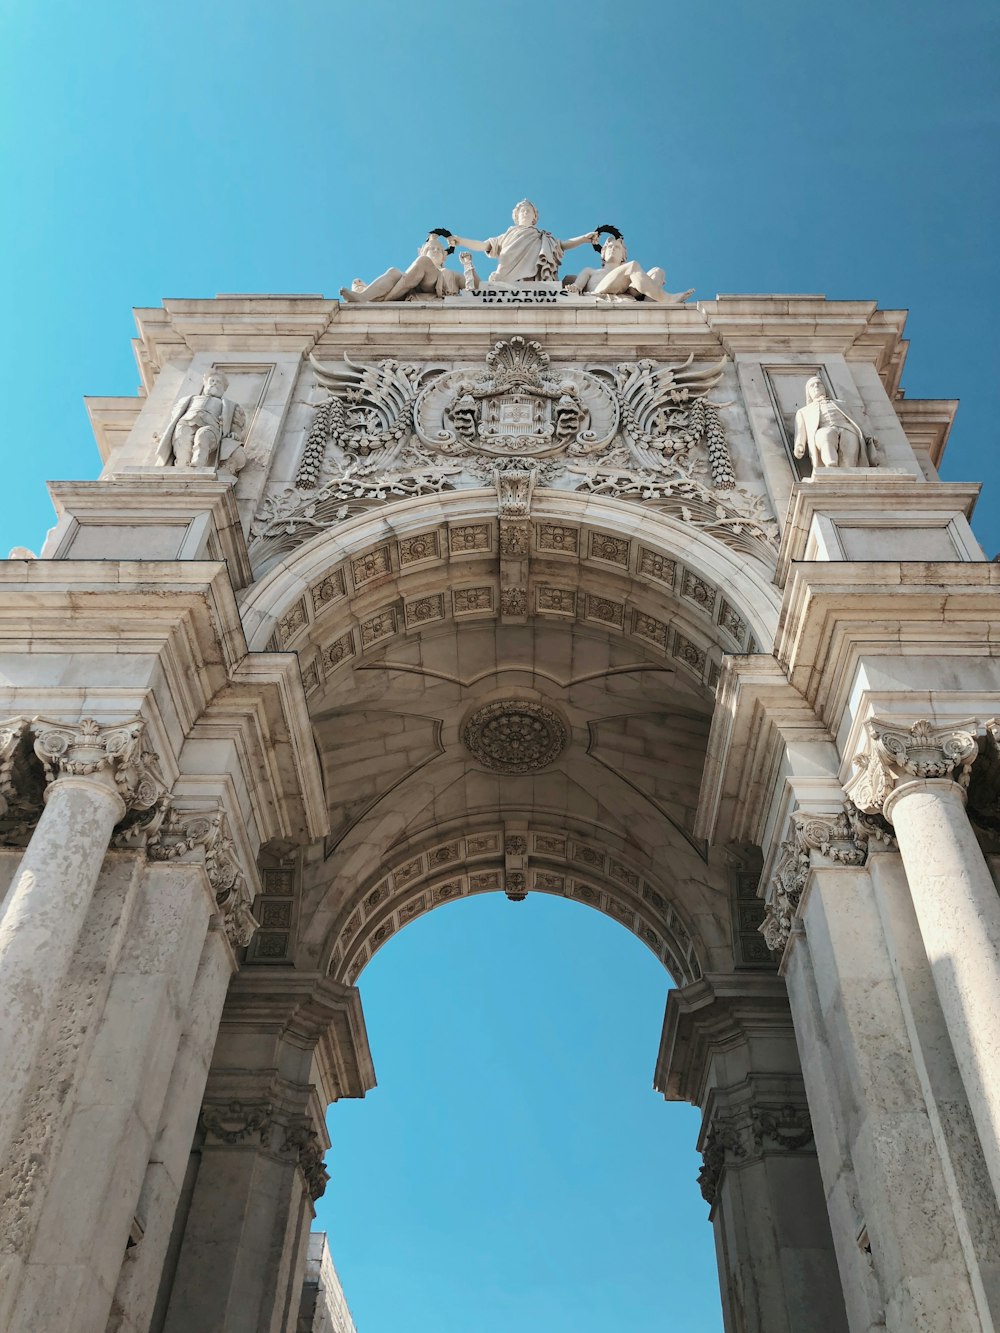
pixel 404 630
pixel 474 741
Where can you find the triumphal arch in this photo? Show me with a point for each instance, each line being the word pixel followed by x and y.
pixel 544 579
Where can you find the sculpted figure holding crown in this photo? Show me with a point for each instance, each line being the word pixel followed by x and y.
pixel 525 252
pixel 621 276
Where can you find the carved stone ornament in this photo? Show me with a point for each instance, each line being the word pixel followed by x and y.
pixel 20 784
pixel 236 1122
pixel 893 753
pixel 302 1142
pixel 514 736
pixel 269 1127
pixel 87 748
pixel 204 835
pixel 514 489
pixel 516 407
pixel 205 429
pixel 638 431
pixel 844 838
pixel 784 893
pixel 747 1134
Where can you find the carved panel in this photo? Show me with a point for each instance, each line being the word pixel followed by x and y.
pixel 466 601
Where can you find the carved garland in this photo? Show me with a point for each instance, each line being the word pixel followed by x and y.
pixel 744 1135
pixel 639 431
pixel 237 1123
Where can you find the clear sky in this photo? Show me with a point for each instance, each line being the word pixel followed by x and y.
pixel 513 1170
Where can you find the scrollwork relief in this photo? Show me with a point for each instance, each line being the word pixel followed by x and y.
pixel 637 431
pixel 893 753
pixel 187 835
pixel 844 838
pixel 748 1133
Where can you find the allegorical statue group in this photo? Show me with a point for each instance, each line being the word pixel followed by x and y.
pixel 525 254
pixel 207 429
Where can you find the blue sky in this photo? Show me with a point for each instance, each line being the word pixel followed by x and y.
pixel 513 1168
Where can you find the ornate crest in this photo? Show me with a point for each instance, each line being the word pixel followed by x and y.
pixel 518 407
pixel 638 430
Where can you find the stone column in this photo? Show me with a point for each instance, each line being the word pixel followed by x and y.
pixel 977 1214
pixel 95 774
pixel 259 1170
pixel 287 1047
pixel 902 1209
pixel 728 1046
pixel 917 777
pixel 163 1184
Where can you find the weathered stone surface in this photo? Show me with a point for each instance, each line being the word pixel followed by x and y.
pixel 409 609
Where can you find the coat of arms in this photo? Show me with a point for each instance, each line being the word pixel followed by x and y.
pixel 516 407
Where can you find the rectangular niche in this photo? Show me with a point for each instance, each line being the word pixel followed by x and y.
pixel 248 385
pixel 786 386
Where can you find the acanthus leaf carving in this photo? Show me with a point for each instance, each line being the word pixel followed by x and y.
pixel 204 834
pixel 303 1143
pixel 748 1132
pixel 89 748
pixel 20 786
pixel 843 837
pixel 893 753
pixel 639 431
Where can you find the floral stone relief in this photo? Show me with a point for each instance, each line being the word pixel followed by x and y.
pixel 639 430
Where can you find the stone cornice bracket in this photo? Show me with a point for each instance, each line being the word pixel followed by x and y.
pixel 204 835
pixel 114 756
pixel 844 838
pixel 894 754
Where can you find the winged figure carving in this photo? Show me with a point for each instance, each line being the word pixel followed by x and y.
pixel 663 408
pixel 369 410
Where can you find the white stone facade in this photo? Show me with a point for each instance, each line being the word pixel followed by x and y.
pixel 382 603
pixel 323 1308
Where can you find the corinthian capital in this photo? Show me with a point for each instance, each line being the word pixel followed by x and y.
pixel 88 748
pixel 894 753
pixel 204 834
pixel 844 837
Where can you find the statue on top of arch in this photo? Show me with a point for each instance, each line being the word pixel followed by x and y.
pixel 527 257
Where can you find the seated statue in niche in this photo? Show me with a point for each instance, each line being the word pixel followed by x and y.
pixel 426 278
pixel 205 429
pixel 829 432
pixel 525 252
pixel 621 276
